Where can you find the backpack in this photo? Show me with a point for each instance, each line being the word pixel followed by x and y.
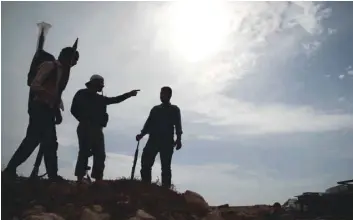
pixel 40 57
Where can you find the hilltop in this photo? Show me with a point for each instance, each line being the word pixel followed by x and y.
pixel 108 200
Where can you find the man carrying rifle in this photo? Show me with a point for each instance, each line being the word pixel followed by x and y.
pixel 90 109
pixel 46 89
pixel 160 126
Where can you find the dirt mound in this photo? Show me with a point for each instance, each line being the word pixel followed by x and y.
pixel 120 199
pixel 111 200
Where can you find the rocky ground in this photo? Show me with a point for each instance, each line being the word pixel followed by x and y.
pixel 112 200
pixel 109 200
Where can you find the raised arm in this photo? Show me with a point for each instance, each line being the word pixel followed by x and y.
pixel 120 98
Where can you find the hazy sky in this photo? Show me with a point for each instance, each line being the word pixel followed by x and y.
pixel 265 89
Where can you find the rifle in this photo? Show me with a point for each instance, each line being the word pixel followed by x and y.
pixel 135 161
pixel 43 28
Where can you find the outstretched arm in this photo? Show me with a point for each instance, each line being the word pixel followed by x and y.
pixel 120 98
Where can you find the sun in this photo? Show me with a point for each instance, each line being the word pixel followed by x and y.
pixel 198 28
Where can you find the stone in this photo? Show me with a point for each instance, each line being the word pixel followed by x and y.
pixel 44 216
pixel 141 214
pixel 213 215
pixel 88 214
pixel 196 202
pixel 35 210
pixel 97 208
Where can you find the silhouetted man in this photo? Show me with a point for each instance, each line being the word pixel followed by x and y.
pixel 45 99
pixel 90 109
pixel 160 127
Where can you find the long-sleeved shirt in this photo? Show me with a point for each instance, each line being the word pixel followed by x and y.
pixel 49 83
pixel 92 107
pixel 162 120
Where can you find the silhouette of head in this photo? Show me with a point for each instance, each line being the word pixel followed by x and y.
pixel 166 94
pixel 96 83
pixel 69 56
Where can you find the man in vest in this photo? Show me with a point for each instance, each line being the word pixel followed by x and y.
pixel 160 126
pixel 47 87
pixel 90 109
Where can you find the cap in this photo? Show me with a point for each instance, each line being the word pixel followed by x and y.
pixel 95 77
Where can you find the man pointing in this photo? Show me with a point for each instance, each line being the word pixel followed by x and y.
pixel 90 109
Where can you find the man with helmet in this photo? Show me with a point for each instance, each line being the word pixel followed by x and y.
pixel 90 109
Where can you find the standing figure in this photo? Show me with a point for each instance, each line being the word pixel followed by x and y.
pixel 160 127
pixel 44 102
pixel 90 109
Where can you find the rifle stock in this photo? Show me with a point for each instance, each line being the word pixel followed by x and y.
pixel 135 161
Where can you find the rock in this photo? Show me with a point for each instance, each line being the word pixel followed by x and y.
pixel 88 214
pixel 214 215
pixel 97 208
pixel 134 218
pixel 39 208
pixel 44 216
pixel 141 214
pixel 196 202
pixel 36 210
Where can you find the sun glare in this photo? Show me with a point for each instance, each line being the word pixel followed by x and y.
pixel 198 28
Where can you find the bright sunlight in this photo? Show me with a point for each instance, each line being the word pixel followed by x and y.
pixel 198 28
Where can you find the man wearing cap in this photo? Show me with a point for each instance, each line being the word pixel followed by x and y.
pixel 46 89
pixel 90 109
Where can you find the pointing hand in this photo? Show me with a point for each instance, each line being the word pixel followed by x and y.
pixel 134 92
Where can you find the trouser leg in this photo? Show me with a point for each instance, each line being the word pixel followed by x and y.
pixel 98 150
pixel 54 154
pixel 49 142
pixel 84 150
pixel 28 144
pixel 166 154
pixel 147 160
